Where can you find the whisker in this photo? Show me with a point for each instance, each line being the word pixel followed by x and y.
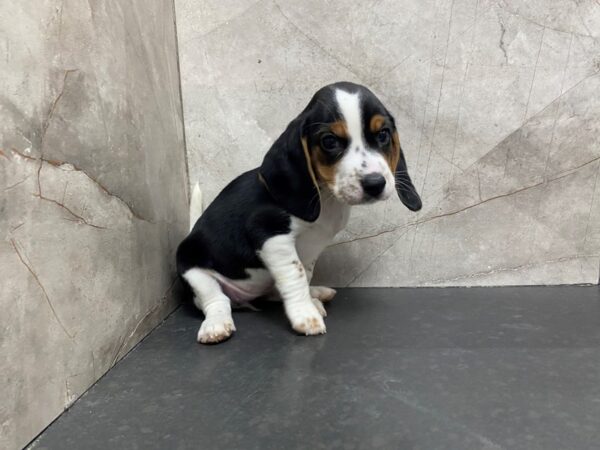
pixel 403 184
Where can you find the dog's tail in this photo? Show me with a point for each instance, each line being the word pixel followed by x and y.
pixel 195 205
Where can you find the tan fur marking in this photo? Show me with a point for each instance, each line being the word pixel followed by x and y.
pixel 394 156
pixel 325 172
pixel 310 166
pixel 340 129
pixel 262 180
pixel 376 123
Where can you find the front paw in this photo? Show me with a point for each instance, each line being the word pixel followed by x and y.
pixel 215 329
pixel 307 320
pixel 323 293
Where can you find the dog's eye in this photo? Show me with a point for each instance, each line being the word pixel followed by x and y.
pixel 329 142
pixel 383 137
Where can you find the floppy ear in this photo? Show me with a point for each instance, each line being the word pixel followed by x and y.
pixel 406 190
pixel 287 172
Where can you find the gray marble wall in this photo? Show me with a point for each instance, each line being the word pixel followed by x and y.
pixel 498 109
pixel 93 194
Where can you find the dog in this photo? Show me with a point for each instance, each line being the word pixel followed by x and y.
pixel 263 233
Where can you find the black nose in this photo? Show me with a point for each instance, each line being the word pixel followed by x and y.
pixel 373 184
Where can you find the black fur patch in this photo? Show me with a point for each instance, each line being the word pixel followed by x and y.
pixel 232 229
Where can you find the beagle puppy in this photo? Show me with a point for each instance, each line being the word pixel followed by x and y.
pixel 264 232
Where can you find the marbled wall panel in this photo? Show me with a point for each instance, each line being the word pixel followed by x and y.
pixel 93 195
pixel 497 105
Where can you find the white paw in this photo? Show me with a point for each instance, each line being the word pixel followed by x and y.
pixel 322 293
pixel 307 320
pixel 216 329
pixel 319 305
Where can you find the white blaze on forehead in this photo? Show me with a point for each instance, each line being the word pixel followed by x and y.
pixel 349 106
pixel 358 160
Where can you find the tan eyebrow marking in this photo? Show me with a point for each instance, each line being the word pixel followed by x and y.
pixel 340 129
pixel 376 123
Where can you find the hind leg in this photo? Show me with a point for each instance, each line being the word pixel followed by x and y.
pixel 218 324
pixel 319 294
pixel 322 293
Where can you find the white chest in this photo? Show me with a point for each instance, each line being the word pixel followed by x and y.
pixel 312 238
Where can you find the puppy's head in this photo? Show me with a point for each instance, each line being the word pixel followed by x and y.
pixel 345 141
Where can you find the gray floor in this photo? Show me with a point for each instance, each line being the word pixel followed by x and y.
pixel 512 368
